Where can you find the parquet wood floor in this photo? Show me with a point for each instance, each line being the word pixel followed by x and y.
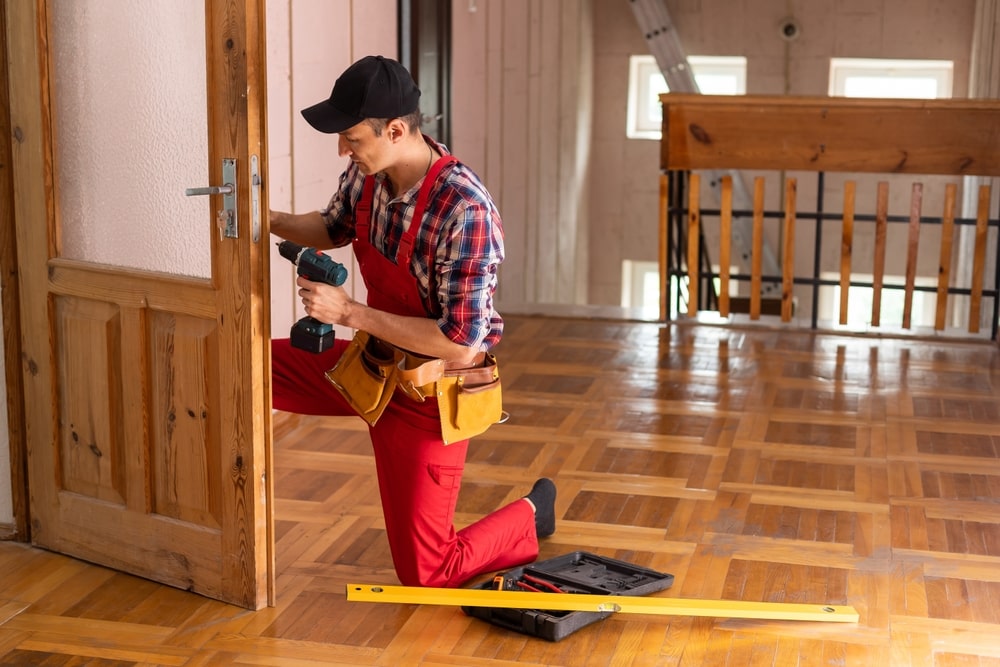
pixel 750 463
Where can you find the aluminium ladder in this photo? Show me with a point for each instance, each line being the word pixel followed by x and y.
pixel 665 46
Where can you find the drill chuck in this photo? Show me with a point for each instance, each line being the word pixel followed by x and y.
pixel 313 264
pixel 290 251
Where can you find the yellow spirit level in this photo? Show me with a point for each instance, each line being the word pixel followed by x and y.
pixel 458 597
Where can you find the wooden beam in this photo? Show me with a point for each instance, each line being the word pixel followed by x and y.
pixel 830 134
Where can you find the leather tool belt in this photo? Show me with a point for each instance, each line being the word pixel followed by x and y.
pixel 371 370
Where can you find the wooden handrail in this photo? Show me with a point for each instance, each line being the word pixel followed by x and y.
pixel 863 136
pixel 831 134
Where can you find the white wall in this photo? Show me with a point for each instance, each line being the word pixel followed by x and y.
pixel 522 103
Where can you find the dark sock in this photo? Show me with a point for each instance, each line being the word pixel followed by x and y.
pixel 543 497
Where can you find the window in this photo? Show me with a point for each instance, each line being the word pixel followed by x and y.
pixel 859 303
pixel 641 286
pixel 876 77
pixel 715 75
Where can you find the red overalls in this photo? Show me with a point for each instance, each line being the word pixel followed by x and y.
pixel 419 477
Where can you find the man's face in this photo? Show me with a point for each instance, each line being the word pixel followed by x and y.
pixel 368 151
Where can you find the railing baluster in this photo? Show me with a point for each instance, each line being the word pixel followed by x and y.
pixel 912 245
pixel 726 243
pixel 878 273
pixel 758 247
pixel 979 259
pixel 846 245
pixel 788 258
pixel 694 238
pixel 664 246
pixel 944 263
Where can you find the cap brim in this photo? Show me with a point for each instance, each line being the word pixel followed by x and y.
pixel 328 119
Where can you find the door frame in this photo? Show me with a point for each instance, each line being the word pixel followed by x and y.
pixel 415 39
pixel 10 307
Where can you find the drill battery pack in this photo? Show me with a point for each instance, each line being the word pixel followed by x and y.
pixel 311 335
pixel 577 572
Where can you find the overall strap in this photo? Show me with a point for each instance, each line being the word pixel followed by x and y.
pixel 405 250
pixel 363 210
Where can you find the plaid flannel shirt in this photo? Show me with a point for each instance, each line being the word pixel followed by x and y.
pixel 456 252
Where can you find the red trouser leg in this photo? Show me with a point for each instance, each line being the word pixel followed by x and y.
pixel 298 383
pixel 419 479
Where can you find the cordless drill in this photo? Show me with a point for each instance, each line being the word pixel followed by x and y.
pixel 309 333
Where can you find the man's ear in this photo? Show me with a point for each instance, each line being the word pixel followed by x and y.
pixel 397 129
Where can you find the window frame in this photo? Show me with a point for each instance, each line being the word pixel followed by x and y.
pixel 641 93
pixel 842 69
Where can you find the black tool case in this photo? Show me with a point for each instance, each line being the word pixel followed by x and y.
pixel 577 572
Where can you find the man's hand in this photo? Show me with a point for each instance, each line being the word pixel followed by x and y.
pixel 333 305
pixel 326 303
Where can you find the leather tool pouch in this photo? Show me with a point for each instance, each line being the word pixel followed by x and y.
pixel 469 400
pixel 365 376
pixel 417 375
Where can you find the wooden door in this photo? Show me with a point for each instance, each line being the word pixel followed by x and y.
pixel 144 325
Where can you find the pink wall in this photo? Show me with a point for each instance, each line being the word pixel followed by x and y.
pixel 309 44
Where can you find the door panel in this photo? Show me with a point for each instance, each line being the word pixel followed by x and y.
pixel 91 449
pixel 177 448
pixel 146 390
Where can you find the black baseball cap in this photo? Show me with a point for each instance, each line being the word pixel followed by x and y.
pixel 373 87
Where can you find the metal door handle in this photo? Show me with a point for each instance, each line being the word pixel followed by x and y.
pixel 210 190
pixel 226 216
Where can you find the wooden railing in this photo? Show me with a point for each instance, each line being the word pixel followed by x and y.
pixel 725 139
